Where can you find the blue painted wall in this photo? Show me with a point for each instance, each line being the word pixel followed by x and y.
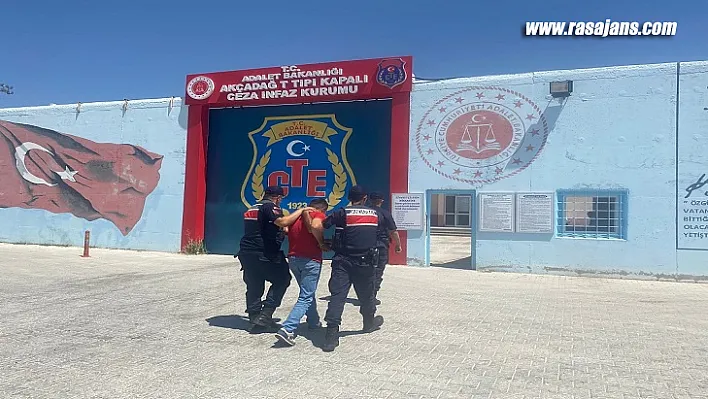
pixel 158 126
pixel 641 129
pixel 692 164
pixel 617 131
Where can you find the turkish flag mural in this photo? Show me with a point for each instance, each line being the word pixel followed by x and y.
pixel 60 173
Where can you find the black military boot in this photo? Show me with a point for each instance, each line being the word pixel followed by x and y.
pixel 265 319
pixel 331 338
pixel 372 323
pixel 254 328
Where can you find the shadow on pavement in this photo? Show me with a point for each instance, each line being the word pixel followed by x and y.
pixel 315 336
pixel 351 301
pixel 462 264
pixel 235 322
pixel 238 322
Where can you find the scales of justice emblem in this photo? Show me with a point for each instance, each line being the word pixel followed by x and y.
pixel 305 155
pixel 483 140
pixel 481 134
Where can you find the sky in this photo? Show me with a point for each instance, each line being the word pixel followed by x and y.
pixel 70 51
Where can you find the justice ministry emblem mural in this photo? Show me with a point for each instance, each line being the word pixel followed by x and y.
pixel 306 155
pixel 481 134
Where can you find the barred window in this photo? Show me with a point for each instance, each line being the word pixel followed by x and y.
pixel 592 214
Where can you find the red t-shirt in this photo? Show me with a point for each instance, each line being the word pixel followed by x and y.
pixel 301 242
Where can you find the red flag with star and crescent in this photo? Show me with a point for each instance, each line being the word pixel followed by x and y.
pixel 44 169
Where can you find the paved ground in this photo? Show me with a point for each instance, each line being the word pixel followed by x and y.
pixel 451 251
pixel 145 325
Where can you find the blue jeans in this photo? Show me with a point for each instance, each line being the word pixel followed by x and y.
pixel 307 274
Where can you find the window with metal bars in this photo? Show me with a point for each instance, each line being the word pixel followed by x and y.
pixel 592 214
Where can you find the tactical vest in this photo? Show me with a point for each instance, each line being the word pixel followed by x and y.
pixel 255 239
pixel 355 235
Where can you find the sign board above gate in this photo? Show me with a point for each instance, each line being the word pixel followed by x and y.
pixel 332 81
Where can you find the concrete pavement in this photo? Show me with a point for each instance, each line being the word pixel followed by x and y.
pixel 124 324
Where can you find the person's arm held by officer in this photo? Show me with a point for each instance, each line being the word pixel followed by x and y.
pixel 307 218
pixel 314 226
pixel 285 221
pixel 317 230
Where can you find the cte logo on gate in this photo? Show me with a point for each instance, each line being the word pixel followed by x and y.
pixel 305 155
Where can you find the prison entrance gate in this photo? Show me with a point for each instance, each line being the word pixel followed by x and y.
pixel 312 150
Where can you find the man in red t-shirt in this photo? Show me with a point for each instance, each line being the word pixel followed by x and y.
pixel 306 244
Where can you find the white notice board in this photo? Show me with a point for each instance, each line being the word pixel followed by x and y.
pixel 534 212
pixel 496 212
pixel 407 211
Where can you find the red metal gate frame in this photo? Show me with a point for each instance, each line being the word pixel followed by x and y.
pixel 222 90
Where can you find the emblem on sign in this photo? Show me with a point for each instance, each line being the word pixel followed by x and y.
pixel 306 155
pixel 391 72
pixel 200 88
pixel 481 134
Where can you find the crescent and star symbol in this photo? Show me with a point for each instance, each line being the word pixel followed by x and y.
pixel 291 148
pixel 20 154
pixel 474 118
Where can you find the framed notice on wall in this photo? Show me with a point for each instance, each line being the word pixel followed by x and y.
pixel 496 212
pixel 534 212
pixel 407 211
